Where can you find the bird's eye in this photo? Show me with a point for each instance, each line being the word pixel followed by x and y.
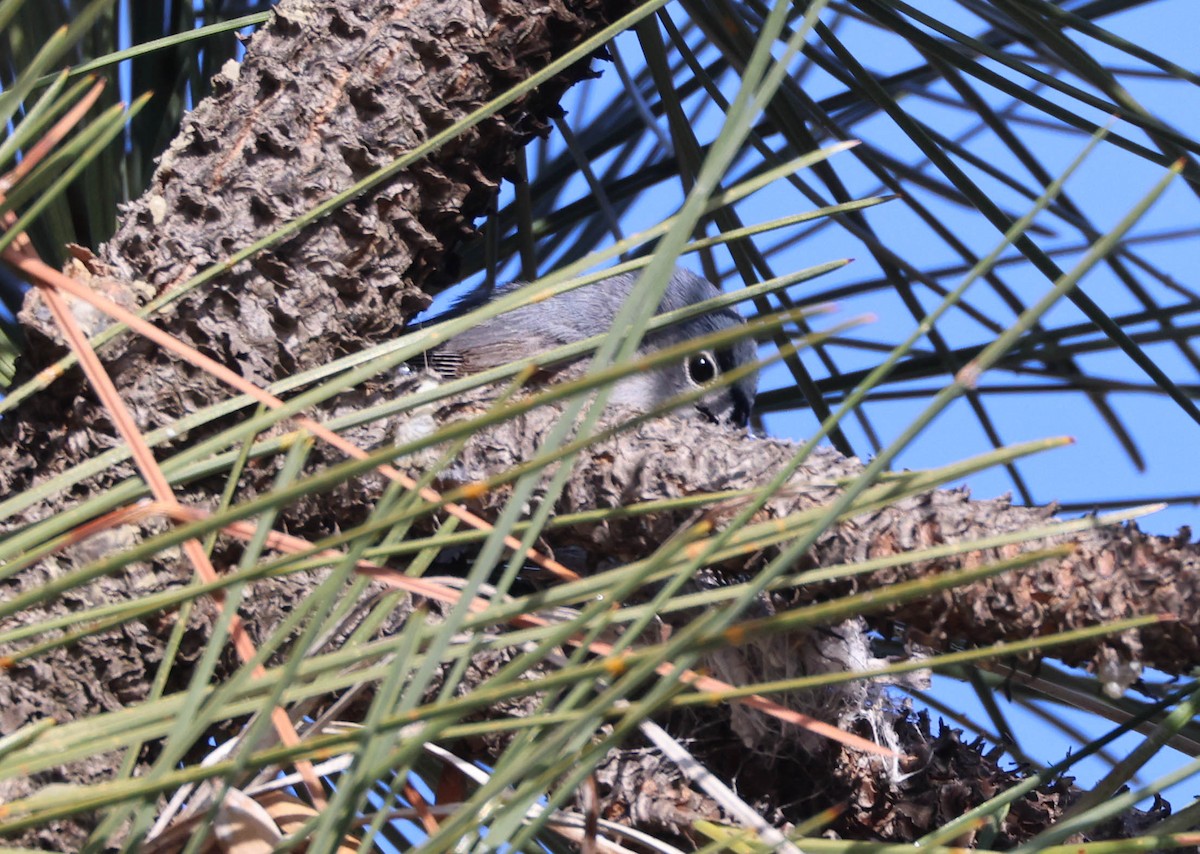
pixel 702 368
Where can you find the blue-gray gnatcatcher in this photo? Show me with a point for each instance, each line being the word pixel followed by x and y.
pixel 590 310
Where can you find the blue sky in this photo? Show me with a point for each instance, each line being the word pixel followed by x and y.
pixel 1109 183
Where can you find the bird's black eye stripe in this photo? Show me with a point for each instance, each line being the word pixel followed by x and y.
pixel 725 360
pixel 702 368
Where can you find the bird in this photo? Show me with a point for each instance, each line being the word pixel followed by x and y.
pixel 590 310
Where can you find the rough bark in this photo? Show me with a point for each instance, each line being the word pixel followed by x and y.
pixel 328 93
pixel 316 106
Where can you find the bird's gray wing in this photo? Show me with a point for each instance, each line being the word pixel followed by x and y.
pixel 479 350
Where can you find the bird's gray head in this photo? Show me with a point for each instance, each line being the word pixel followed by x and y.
pixel 590 310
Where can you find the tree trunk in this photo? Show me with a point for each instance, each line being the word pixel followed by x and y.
pixel 330 91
